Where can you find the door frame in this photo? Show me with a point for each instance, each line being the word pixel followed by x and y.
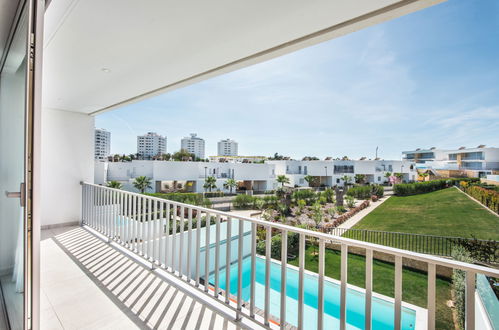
pixel 32 168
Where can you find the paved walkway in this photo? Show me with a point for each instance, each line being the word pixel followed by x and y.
pixel 359 216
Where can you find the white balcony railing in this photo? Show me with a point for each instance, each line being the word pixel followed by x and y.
pixel 172 236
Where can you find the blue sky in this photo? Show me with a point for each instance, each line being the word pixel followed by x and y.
pixel 427 79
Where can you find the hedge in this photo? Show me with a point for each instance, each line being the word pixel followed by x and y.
pixel 407 189
pixel 365 192
pixel 188 198
pixel 243 201
pixel 488 197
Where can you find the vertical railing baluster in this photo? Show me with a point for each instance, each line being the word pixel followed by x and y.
pixel 168 248
pixel 398 292
pixel 470 300
pixel 198 245
pixel 431 296
pixel 240 242
pixel 122 217
pixel 140 213
pixel 135 226
pixel 284 261
pixel 161 235
pixel 127 220
pixel 228 258
pixel 253 270
pixel 217 254
pixel 181 243
pixel 189 243
pixel 268 241
pixel 301 275
pixel 344 280
pixel 174 237
pixel 150 233
pixel 155 230
pixel 369 289
pixel 207 253
pixel 320 295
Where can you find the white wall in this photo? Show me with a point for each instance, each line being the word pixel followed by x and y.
pixel 67 158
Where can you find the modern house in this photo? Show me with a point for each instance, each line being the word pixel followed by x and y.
pixel 473 162
pixel 188 176
pixel 331 172
pixel 74 254
pixel 194 145
pixel 150 145
pixel 227 147
pixel 102 144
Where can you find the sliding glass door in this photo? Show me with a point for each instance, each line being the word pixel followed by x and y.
pixel 17 113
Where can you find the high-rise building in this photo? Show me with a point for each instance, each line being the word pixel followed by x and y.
pixel 102 144
pixel 194 145
pixel 227 147
pixel 151 145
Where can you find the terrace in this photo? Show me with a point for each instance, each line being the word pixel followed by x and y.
pixel 143 262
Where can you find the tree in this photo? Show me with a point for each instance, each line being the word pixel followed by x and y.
pixel 360 178
pixel 311 180
pixel 210 183
pixel 114 184
pixel 142 183
pixel 230 184
pixel 424 175
pixel 282 179
pixel 346 180
pixel 182 156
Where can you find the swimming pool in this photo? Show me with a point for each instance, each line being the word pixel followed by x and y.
pixel 382 310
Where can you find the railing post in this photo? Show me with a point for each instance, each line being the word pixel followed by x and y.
pixel 470 300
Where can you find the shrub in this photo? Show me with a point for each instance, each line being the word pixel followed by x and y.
pixel 459 253
pixel 365 192
pixel 488 197
pixel 350 201
pixel 347 215
pixel 307 195
pixel 243 201
pixel 407 189
pixel 187 198
pixel 214 194
pixel 275 245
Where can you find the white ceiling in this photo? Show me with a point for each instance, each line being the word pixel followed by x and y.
pixel 100 54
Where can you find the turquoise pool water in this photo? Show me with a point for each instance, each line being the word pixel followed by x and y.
pixel 382 311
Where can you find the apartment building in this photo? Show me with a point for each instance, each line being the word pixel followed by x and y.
pixel 194 145
pixel 102 144
pixel 150 145
pixel 227 147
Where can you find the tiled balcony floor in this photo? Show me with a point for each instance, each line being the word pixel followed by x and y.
pixel 88 284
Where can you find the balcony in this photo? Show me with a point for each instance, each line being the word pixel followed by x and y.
pixel 88 283
pixel 140 261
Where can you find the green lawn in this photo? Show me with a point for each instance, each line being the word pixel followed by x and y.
pixel 414 283
pixel 446 212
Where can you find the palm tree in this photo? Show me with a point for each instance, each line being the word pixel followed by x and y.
pixel 424 175
pixel 346 180
pixel 282 179
pixel 142 183
pixel 360 178
pixel 310 180
pixel 114 184
pixel 230 184
pixel 210 183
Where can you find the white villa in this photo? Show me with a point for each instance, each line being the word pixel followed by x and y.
pixel 190 176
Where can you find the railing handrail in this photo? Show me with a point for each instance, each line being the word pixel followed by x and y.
pixel 350 242
pixel 413 234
